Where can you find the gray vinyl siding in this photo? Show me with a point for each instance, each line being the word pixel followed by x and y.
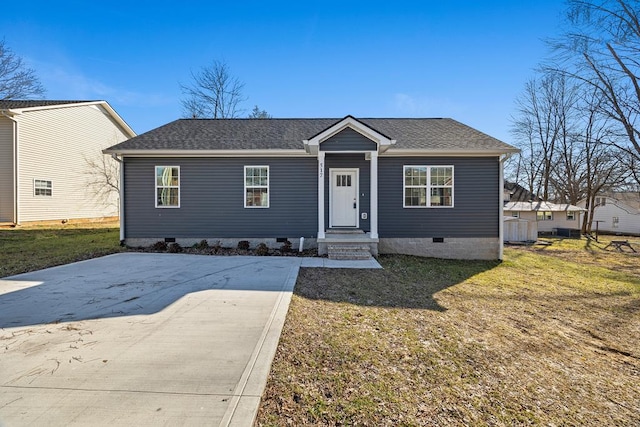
pixel 212 199
pixel 353 161
pixel 476 200
pixel 6 170
pixel 348 140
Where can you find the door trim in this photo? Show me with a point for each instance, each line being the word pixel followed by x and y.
pixel 356 171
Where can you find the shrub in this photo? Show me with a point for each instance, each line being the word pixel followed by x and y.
pixel 216 247
pixel 159 246
pixel 243 245
pixel 175 248
pixel 286 246
pixel 262 249
pixel 201 245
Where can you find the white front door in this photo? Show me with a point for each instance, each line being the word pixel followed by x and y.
pixel 343 199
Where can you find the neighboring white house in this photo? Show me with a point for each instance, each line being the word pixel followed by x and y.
pixel 45 148
pixel 617 213
pixel 549 217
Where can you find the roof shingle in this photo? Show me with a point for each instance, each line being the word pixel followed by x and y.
pixel 247 134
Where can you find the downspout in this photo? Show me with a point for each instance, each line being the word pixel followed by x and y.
pixel 501 159
pixel 121 196
pixel 16 169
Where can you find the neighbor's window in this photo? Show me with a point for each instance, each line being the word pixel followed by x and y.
pixel 571 216
pixel 42 187
pixel 256 186
pixel 601 201
pixel 428 186
pixel 167 186
pixel 615 222
pixel 544 216
pixel 515 214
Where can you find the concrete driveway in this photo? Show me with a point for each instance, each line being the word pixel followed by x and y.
pixel 141 339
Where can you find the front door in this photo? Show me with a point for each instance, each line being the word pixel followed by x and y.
pixel 343 203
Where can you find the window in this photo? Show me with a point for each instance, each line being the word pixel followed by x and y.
pixel 428 186
pixel 601 201
pixel 571 216
pixel 615 222
pixel 544 216
pixel 256 186
pixel 167 186
pixel 42 187
pixel 515 214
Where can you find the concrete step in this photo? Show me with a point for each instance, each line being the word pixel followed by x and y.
pixel 348 251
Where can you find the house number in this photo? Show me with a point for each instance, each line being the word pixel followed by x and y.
pixel 321 171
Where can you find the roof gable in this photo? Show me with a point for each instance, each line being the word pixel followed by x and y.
pixel 18 107
pixel 382 141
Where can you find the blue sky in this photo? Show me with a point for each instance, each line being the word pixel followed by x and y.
pixel 467 60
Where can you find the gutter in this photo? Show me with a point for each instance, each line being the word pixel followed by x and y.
pixel 16 166
pixel 502 159
pixel 115 157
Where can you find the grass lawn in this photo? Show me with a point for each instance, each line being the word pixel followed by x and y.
pixel 550 336
pixel 33 248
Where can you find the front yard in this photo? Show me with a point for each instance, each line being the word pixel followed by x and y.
pixel 551 336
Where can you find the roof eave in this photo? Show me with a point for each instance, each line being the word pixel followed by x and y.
pixel 207 153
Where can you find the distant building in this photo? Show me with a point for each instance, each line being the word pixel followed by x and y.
pixel 45 147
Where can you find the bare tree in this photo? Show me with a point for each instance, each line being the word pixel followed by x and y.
pixel 602 49
pixel 257 113
pixel 17 81
pixel 541 124
pixel 102 179
pixel 213 93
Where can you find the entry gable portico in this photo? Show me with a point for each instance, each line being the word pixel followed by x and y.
pixel 339 138
pixel 383 142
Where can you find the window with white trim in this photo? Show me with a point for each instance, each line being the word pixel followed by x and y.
pixel 428 186
pixel 571 216
pixel 42 187
pixel 167 186
pixel 256 186
pixel 615 222
pixel 544 216
pixel 515 214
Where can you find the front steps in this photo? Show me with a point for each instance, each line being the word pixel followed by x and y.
pixel 347 244
pixel 348 251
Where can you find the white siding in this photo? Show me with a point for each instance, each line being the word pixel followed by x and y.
pixel 559 220
pixel 54 145
pixel 628 218
pixel 6 170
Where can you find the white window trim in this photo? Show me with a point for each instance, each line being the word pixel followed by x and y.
pixel 244 179
pixel 44 180
pixel 515 214
pixel 428 186
pixel 156 186
pixel 573 215
pixel 544 218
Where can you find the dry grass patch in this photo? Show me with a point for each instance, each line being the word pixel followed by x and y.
pixel 539 339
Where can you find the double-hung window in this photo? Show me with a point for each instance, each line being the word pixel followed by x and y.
pixel 428 186
pixel 167 186
pixel 256 186
pixel 544 215
pixel 42 187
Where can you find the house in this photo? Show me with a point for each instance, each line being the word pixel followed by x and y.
pixel 430 187
pixel 550 217
pixel 46 148
pixel 617 213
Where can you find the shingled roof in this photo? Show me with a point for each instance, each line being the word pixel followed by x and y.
pixel 288 134
pixel 19 104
